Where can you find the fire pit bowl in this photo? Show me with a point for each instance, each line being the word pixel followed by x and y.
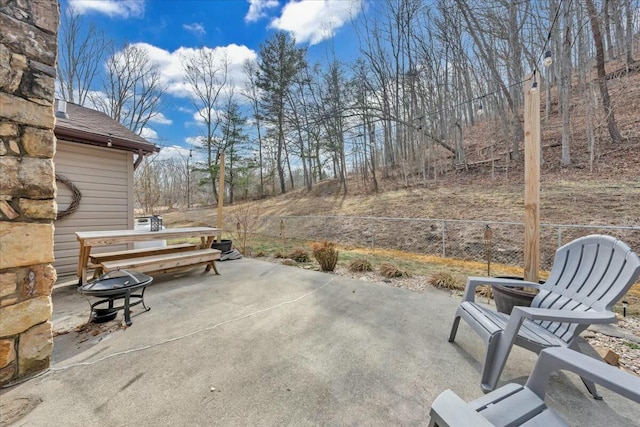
pixel 111 287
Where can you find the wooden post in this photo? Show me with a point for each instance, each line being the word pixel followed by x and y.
pixel 219 222
pixel 531 181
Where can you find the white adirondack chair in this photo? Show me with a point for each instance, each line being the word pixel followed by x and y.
pixel 516 405
pixel 588 276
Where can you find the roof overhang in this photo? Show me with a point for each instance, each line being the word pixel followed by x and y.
pixel 84 137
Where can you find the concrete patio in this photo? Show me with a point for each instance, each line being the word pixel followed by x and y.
pixel 265 344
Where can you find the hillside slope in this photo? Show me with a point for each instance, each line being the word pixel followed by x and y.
pixel 588 201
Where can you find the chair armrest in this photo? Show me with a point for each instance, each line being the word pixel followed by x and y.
pixel 561 358
pixel 555 315
pixel 519 314
pixel 450 410
pixel 474 282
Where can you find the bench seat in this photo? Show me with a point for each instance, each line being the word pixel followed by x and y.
pixel 166 262
pixel 142 252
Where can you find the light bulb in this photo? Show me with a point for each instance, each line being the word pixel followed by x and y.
pixel 548 59
pixel 534 86
pixel 109 143
pixel 480 110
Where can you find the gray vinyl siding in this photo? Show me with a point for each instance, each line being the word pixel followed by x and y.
pixel 105 179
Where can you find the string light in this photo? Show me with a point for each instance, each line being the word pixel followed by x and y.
pixel 534 84
pixel 109 144
pixel 480 109
pixel 548 59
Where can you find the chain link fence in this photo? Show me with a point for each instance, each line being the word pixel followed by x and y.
pixel 466 240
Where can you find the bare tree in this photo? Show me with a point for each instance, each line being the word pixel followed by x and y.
pixel 629 32
pixel 80 55
pixel 250 69
pixel 565 85
pixel 488 53
pixel 147 185
pixel 602 75
pixel 132 88
pixel 206 72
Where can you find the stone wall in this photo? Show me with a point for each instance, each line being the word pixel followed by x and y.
pixel 28 51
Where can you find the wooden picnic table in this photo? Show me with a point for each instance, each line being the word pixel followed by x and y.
pixel 89 239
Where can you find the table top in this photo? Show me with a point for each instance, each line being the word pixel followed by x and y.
pixel 107 237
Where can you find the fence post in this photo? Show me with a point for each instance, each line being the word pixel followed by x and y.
pixel 559 236
pixel 372 227
pixel 325 228
pixel 444 232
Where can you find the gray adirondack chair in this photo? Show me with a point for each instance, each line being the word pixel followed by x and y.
pixel 515 405
pixel 588 276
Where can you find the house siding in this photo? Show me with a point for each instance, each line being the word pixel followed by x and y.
pixel 105 179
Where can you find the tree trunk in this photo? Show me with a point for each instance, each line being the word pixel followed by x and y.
pixel 602 77
pixel 629 32
pixel 607 29
pixel 372 153
pixel 565 86
pixel 283 187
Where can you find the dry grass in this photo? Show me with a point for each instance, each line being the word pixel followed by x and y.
pixel 444 280
pixel 390 271
pixel 360 265
pixel 299 255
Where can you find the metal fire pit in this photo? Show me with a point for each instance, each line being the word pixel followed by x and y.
pixel 113 286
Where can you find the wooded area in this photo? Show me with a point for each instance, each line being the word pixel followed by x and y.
pixel 426 73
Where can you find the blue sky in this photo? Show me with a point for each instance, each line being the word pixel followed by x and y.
pixel 168 27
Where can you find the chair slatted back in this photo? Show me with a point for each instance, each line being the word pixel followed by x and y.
pixel 590 273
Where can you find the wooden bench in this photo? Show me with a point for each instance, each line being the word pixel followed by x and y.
pixel 167 262
pixel 136 253
pixel 98 259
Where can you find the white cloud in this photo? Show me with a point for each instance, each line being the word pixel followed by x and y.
pixel 160 119
pixel 149 134
pixel 313 21
pixel 120 8
pixel 198 117
pixel 172 72
pixel 258 8
pixel 184 109
pixel 196 28
pixel 174 151
pixel 193 141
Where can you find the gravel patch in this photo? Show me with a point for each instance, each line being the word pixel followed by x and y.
pixel 622 338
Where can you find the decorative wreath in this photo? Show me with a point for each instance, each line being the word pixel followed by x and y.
pixel 76 195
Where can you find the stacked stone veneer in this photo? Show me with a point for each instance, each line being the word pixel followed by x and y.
pixel 28 47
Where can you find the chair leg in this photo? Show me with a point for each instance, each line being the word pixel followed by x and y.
pixel 492 367
pixel 454 328
pixel 590 385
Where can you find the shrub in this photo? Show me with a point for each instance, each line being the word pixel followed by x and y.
pixel 289 262
pixel 326 255
pixel 484 291
pixel 259 254
pixel 389 271
pixel 360 264
pixel 279 255
pixel 444 280
pixel 299 255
